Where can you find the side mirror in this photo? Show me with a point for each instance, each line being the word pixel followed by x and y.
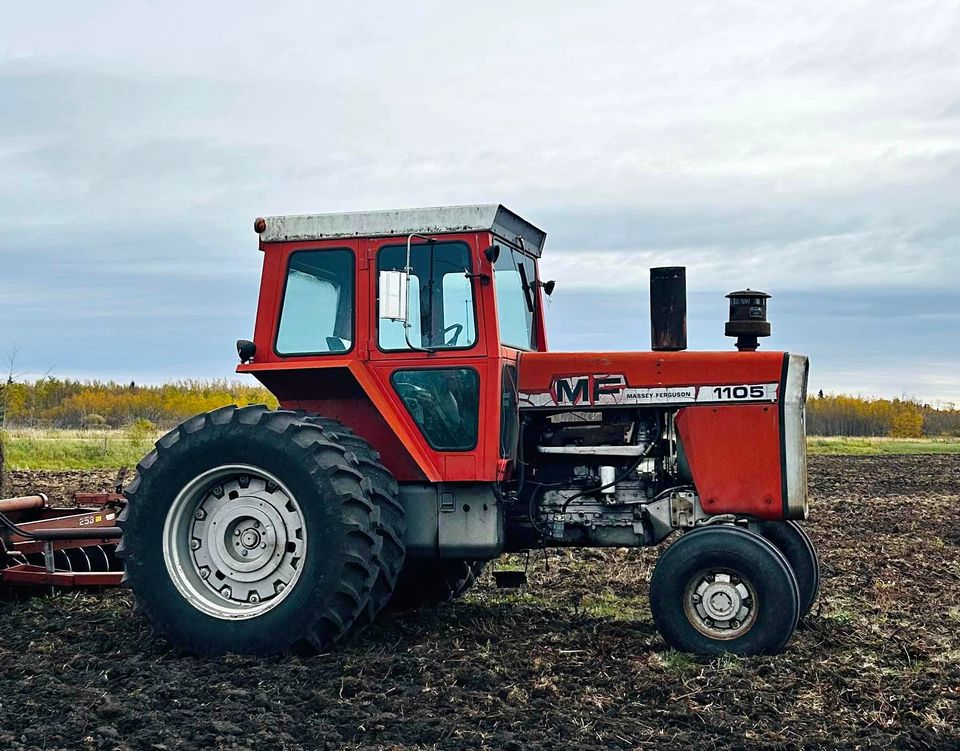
pixel 393 295
pixel 246 349
pixel 548 287
pixel 492 253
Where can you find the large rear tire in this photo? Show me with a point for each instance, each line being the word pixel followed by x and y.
pixel 724 589
pixel 392 525
pixel 429 582
pixel 252 531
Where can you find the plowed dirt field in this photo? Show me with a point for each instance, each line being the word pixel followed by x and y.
pixel 570 662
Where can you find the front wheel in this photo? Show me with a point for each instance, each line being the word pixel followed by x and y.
pixel 724 589
pixel 790 539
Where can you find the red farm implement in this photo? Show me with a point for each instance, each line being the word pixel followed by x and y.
pixel 61 547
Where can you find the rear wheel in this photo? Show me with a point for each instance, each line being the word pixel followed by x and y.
pixel 790 539
pixel 724 589
pixel 427 582
pixel 392 524
pixel 254 531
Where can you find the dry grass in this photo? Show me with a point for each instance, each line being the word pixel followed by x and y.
pixel 34 448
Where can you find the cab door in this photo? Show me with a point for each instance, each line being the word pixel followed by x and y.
pixel 435 367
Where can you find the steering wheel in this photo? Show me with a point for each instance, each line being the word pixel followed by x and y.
pixel 431 411
pixel 456 336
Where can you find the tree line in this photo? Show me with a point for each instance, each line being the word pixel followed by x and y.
pixel 64 403
pixel 841 415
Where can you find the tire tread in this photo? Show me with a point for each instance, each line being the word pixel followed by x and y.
pixel 361 566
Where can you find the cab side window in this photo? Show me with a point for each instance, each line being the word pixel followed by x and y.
pixel 317 312
pixel 440 297
pixel 515 282
pixel 509 412
pixel 445 404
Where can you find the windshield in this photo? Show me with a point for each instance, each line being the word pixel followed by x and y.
pixel 515 278
pixel 440 297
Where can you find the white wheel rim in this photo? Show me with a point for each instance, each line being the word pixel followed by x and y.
pixel 720 604
pixel 234 542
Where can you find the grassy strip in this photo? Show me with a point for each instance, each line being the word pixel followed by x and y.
pixel 881 446
pixel 71 449
pixel 109 449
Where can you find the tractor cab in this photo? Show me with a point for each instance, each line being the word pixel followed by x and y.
pixel 406 325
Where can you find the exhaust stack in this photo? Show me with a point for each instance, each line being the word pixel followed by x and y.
pixel 668 308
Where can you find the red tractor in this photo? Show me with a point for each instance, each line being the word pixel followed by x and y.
pixel 426 429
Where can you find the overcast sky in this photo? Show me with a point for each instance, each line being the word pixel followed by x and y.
pixel 811 149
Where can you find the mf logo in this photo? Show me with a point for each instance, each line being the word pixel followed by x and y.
pixel 589 389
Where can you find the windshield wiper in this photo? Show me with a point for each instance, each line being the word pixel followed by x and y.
pixel 527 291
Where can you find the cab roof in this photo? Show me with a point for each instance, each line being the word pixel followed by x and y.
pixel 492 217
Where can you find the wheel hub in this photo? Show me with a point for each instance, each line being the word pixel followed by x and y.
pixel 249 538
pixel 720 604
pixel 237 542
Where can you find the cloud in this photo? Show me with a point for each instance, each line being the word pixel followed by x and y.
pixel 792 146
pixel 882 342
pixel 863 258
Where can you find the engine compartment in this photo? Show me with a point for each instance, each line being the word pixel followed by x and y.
pixel 599 478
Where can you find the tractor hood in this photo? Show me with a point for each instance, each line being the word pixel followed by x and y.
pixel 739 415
pixel 548 380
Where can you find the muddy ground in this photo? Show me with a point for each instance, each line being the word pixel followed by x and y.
pixel 572 662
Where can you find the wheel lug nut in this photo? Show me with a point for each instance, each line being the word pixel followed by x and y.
pixel 226 592
pixel 201 514
pixel 243 553
pixel 263 545
pixel 696 599
pixel 204 573
pixel 708 621
pixel 194 544
pixel 281 586
pixel 734 624
pixel 254 598
pixel 236 533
